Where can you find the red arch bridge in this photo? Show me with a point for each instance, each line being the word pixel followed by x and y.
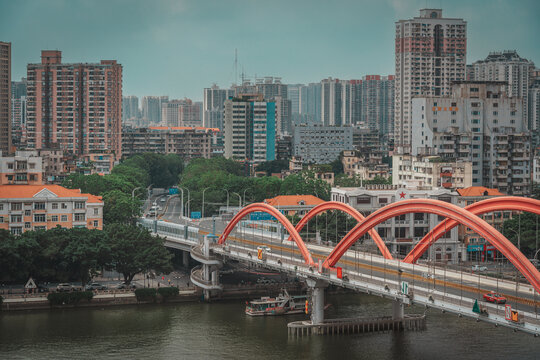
pixel 277 244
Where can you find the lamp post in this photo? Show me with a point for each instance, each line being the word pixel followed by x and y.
pixel 132 197
pixel 203 201
pixel 181 203
pixel 239 199
pixel 187 206
pixel 227 199
pixel 519 238
pixel 244 202
pixel 187 202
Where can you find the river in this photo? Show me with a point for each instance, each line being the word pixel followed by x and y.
pixel 221 330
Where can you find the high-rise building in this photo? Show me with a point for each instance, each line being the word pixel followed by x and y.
pixel 321 144
pixel 430 55
pixel 213 105
pixel 250 129
pixel 130 108
pixel 18 111
pixel 506 66
pixel 5 97
pixel 76 107
pixel 478 123
pixel 310 103
pixel 377 105
pixel 293 94
pixel 534 108
pixel 151 108
pixel 331 102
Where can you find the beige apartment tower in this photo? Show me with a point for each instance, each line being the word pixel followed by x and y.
pixel 75 107
pixel 5 97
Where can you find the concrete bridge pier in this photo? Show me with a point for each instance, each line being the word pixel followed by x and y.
pixel 398 312
pixel 185 258
pixel 206 276
pixel 317 299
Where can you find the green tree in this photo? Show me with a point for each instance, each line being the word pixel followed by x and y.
pixel 527 225
pixel 86 253
pixel 305 183
pixel 120 207
pixel 274 166
pixel 135 250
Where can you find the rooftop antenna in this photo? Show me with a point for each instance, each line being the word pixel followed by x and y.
pixel 235 66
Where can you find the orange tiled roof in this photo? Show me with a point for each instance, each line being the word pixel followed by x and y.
pixel 28 191
pixel 182 128
pixel 479 191
pixel 290 200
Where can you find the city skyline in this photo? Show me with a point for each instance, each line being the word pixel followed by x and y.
pixel 178 48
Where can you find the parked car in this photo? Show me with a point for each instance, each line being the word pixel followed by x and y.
pixel 494 298
pixel 125 286
pixel 42 288
pixel 64 287
pixel 479 268
pixel 95 286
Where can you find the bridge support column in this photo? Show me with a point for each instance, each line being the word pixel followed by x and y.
pixel 206 276
pixel 317 299
pixel 398 310
pixel 185 258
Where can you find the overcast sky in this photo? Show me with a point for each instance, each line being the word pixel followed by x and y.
pixel 179 47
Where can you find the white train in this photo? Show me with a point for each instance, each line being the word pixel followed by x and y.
pixel 172 229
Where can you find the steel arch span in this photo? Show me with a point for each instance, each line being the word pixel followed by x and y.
pixel 336 205
pixel 478 208
pixel 442 208
pixel 280 217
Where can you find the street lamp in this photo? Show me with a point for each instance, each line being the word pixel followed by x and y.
pixel 187 206
pixel 203 201
pixel 239 199
pixel 227 199
pixel 245 196
pixel 187 203
pixel 519 238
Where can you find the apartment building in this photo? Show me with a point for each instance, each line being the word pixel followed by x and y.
pixel 377 103
pixel 76 107
pixel 24 168
pixel 403 232
pixel 187 142
pixel 318 144
pixel 478 123
pixel 430 54
pixel 213 106
pixel 430 172
pixel 250 129
pixel 507 66
pixel 5 97
pixel 41 207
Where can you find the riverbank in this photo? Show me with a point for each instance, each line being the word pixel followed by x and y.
pixel 102 299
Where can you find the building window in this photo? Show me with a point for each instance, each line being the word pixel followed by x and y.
pixel 64 218
pixel 16 206
pixel 79 205
pixel 16 230
pixel 54 218
pixel 39 206
pixel 1 206
pixel 64 206
pixel 363 200
pixel 39 218
pixel 96 223
pixel 96 211
pixel 27 212
pixel 1 219
pixel 79 217
pixel 16 218
pixel 55 206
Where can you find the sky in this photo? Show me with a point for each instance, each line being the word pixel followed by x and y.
pixel 179 47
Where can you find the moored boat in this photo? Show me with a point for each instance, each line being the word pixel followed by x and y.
pixel 283 304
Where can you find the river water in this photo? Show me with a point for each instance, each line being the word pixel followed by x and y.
pixel 221 330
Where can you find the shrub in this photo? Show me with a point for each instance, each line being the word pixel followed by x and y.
pixel 69 298
pixel 145 294
pixel 168 292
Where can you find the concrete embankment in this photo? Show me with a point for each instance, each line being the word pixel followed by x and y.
pixel 128 298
